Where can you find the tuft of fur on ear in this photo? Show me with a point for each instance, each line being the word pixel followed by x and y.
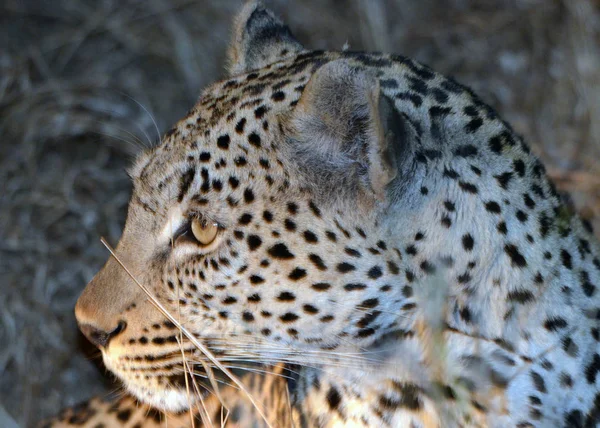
pixel 345 134
pixel 259 39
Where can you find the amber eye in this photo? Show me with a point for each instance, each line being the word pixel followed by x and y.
pixel 204 231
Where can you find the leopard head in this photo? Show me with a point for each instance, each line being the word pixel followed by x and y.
pixel 260 223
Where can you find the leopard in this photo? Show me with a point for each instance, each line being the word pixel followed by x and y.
pixel 341 238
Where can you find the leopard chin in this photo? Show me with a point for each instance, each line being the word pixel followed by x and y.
pixel 172 400
pixel 168 393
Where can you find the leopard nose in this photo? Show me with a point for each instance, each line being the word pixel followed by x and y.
pixel 99 337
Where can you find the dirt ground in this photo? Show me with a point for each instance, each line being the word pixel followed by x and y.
pixel 85 85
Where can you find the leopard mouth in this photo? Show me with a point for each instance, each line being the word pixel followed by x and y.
pixel 165 382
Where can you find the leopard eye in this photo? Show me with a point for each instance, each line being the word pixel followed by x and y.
pixel 204 231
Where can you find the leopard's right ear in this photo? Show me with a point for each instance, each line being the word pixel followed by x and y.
pixel 259 39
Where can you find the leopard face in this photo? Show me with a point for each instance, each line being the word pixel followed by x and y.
pixel 306 211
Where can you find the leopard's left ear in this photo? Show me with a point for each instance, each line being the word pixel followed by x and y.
pixel 259 39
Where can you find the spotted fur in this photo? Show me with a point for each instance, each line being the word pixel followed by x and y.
pixel 382 231
pixel 225 410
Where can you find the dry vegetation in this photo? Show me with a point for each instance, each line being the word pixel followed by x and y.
pixel 80 84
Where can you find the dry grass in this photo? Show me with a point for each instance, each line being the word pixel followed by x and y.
pixel 74 76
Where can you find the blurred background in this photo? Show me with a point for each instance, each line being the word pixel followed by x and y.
pixel 84 85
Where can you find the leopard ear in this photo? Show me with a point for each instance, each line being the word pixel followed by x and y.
pixel 346 134
pixel 259 39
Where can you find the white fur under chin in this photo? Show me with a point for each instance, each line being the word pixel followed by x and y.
pixel 168 400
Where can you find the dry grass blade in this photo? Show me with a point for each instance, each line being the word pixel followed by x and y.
pixel 289 402
pixel 189 335
pixel 186 369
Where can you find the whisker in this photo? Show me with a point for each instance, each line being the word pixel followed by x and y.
pixel 133 144
pixel 147 112
pixel 371 310
pixel 253 370
pixel 290 350
pixel 189 335
pixel 137 142
pixel 240 354
pixel 148 139
pixel 275 362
